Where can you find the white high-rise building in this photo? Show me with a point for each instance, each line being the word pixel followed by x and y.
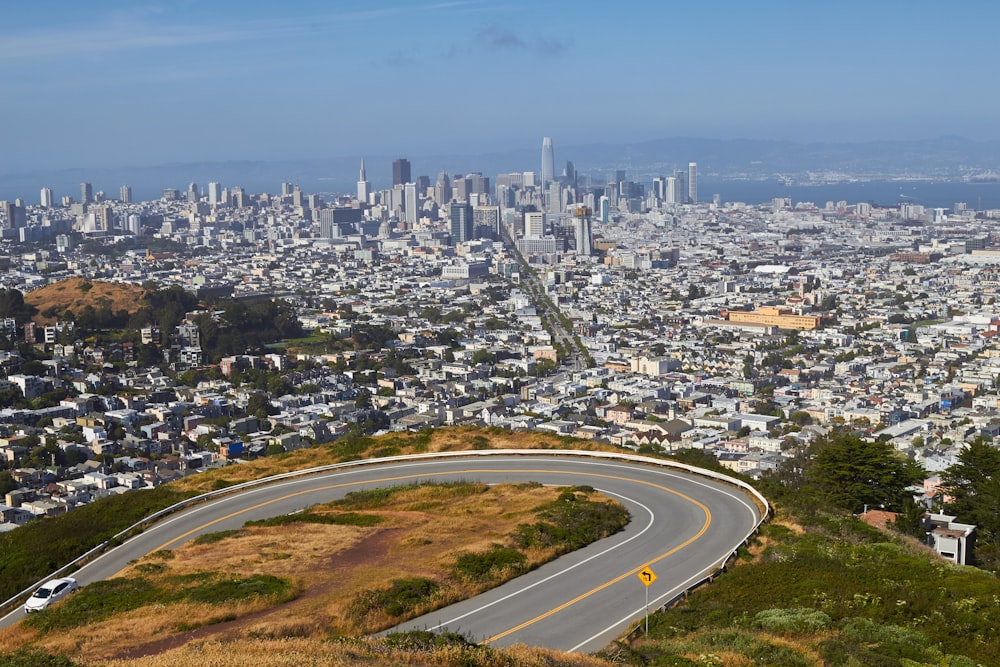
pixel 582 231
pixel 214 194
pixel 410 203
pixel 692 193
pixel 534 224
pixel 671 190
pixel 363 185
pixel 125 194
pixel 548 162
pixel 46 197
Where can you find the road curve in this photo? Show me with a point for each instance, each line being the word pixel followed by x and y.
pixel 683 527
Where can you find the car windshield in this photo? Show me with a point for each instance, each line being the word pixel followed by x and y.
pixel 42 593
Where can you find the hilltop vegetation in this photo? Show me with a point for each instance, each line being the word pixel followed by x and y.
pixel 342 569
pixel 817 587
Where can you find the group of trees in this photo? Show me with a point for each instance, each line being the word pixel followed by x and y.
pixel 842 471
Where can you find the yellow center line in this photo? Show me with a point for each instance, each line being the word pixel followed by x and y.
pixel 597 589
pixel 426 475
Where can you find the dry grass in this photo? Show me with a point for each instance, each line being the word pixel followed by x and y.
pixel 457 438
pixel 73 293
pixel 304 653
pixel 422 531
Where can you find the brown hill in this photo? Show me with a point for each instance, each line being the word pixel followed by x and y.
pixel 77 293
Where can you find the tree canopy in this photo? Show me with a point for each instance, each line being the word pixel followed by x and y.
pixel 973 486
pixel 849 472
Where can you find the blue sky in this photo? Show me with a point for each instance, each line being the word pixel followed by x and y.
pixel 93 84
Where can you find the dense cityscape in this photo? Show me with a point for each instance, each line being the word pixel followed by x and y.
pixel 633 314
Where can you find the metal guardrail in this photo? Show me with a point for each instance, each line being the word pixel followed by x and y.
pixel 184 504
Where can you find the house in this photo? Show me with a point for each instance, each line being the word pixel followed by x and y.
pixel 952 540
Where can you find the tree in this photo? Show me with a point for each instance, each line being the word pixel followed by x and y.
pixel 973 484
pixel 849 472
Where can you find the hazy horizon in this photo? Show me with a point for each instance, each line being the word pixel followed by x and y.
pixel 115 84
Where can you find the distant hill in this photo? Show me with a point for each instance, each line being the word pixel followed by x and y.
pixel 76 294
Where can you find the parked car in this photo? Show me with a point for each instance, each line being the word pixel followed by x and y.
pixel 49 592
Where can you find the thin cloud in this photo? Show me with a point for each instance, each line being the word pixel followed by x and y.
pixel 125 31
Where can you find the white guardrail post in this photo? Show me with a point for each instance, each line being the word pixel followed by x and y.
pixel 152 518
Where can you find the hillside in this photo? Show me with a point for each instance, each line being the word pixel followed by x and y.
pixel 347 568
pixel 76 294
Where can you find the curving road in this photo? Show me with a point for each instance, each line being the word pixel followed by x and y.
pixel 683 527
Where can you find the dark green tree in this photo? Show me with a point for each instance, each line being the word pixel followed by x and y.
pixel 973 484
pixel 848 472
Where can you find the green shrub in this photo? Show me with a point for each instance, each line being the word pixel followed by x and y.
pixel 340 519
pixel 29 657
pixel 498 562
pixel 403 597
pixel 217 536
pixel 571 522
pixel 236 588
pixel 799 619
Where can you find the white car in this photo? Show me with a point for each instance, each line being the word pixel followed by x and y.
pixel 49 592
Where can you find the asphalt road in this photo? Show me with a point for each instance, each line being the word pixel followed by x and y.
pixel 682 527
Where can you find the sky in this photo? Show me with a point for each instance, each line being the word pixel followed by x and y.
pixel 128 83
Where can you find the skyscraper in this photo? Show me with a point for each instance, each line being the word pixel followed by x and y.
pixel 548 162
pixel 410 203
pixel 86 193
pixel 363 185
pixel 46 197
pixel 400 171
pixel 692 183
pixel 125 194
pixel 461 222
pixel 192 192
pixel 442 189
pixel 582 231
pixel 214 194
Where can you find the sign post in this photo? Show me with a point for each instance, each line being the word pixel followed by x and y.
pixel 647 577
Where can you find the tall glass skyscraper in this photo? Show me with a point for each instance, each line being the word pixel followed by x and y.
pixel 548 162
pixel 692 182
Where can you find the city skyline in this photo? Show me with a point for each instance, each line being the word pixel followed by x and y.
pixel 188 82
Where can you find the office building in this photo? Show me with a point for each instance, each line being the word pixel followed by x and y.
pixel 86 193
pixel 486 222
pixel 401 172
pixel 461 222
pixel 442 190
pixel 125 194
pixel 104 218
pixel 14 216
pixel 582 231
pixel 363 185
pixel 534 224
pixel 605 210
pixel 548 162
pixel 214 194
pixel 286 189
pixel 192 192
pixel 46 197
pixel 692 189
pixel 411 203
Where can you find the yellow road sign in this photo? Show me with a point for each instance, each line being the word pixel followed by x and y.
pixel 646 576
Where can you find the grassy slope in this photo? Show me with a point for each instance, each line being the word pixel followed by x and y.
pixel 74 294
pixel 317 579
pixel 815 589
